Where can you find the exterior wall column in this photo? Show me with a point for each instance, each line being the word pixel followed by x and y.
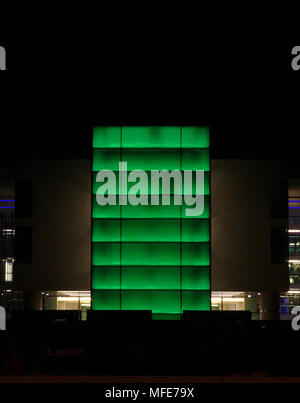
pixel 32 300
pixel 270 305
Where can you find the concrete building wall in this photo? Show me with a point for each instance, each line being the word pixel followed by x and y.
pixel 242 192
pixel 61 226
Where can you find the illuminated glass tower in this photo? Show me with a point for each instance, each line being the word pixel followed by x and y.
pixel 155 256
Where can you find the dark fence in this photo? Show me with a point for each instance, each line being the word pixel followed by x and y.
pixel 58 342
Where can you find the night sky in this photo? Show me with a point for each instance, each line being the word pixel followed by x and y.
pixel 228 67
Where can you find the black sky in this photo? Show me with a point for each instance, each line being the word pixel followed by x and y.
pixel 227 66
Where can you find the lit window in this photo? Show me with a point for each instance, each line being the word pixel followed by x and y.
pixel 8 231
pixel 9 269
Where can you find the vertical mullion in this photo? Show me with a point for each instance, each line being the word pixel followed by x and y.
pixel 181 224
pixel 92 222
pixel 120 196
pixel 209 223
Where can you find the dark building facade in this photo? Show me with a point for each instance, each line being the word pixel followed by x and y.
pixel 249 267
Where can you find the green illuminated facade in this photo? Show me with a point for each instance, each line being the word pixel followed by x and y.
pixel 150 257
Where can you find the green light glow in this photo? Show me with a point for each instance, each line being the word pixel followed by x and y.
pixel 151 211
pixel 150 137
pixel 195 254
pixel 147 159
pixel 150 159
pixel 196 300
pixel 106 254
pixel 144 254
pixel 158 301
pixel 195 159
pixel 194 137
pixel 107 137
pixel 106 231
pixel 151 277
pixel 195 230
pixel 106 299
pixel 107 158
pixel 151 257
pixel 150 230
pixel 106 277
pixel 105 211
pixel 196 277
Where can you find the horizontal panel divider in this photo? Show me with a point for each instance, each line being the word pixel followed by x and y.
pixel 159 242
pixel 160 195
pixel 150 289
pixel 149 218
pixel 121 241
pixel 149 265
pixel 151 148
pixel 156 265
pixel 145 170
pixel 153 194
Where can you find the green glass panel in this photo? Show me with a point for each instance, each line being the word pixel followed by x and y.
pixel 194 254
pixel 105 254
pixel 196 277
pixel 106 277
pixel 150 230
pixel 106 299
pixel 196 300
pixel 153 136
pixel 106 230
pixel 150 251
pixel 149 277
pixel 105 211
pixel 149 159
pixel 106 159
pixel 195 159
pixel 196 230
pixel 150 254
pixel 151 211
pixel 195 137
pixel 205 213
pixel 157 301
pixel 107 137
